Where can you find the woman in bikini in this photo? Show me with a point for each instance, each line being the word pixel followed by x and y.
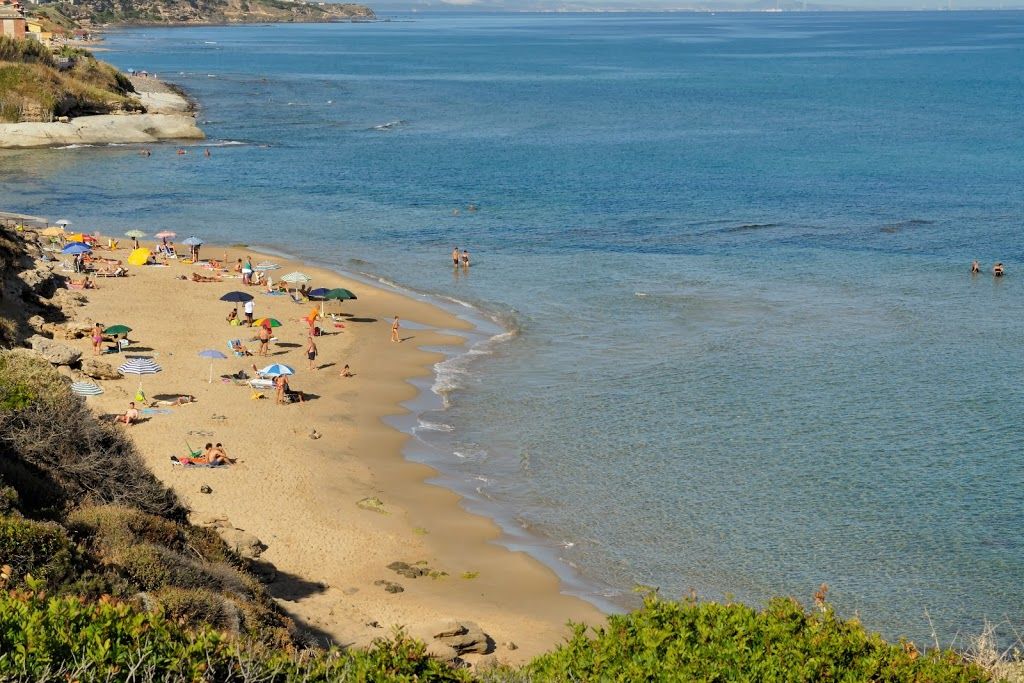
pixel 97 339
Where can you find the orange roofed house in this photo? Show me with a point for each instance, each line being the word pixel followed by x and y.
pixel 12 21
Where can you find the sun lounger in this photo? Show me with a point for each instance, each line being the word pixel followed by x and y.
pixel 261 383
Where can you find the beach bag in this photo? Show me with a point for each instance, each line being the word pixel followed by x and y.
pixel 316 331
pixel 139 396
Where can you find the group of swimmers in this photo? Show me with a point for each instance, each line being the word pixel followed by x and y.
pixel 460 258
pixel 997 270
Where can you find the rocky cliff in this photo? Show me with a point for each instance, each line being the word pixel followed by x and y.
pixel 209 11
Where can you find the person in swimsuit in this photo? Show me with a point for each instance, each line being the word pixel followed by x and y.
pixel 264 341
pixel 975 267
pixel 311 351
pixel 395 326
pixel 97 339
pixel 455 256
pixel 233 315
pixel 130 415
pixel 997 269
pixel 345 371
pixel 465 259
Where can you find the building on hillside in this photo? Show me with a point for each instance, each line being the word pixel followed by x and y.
pixel 12 20
pixel 34 29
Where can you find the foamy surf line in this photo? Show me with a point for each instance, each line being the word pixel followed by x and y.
pixel 434 395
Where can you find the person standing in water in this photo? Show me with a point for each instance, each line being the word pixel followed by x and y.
pixel 465 259
pixel 975 267
pixel 997 269
pixel 455 256
pixel 395 326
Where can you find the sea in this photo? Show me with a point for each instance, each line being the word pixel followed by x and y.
pixel 726 337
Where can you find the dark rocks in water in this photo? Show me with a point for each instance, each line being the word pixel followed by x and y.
pixel 407 570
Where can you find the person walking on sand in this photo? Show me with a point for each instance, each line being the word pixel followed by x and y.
pixel 455 256
pixel 311 351
pixel 97 339
pixel 249 308
pixel 345 371
pixel 264 340
pixel 395 326
pixel 247 271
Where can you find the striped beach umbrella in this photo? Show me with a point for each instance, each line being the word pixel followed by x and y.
pixel 267 265
pixel 86 389
pixel 192 241
pixel 296 278
pixel 164 234
pixel 139 366
pixel 277 369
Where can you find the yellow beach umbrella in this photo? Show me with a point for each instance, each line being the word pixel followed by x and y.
pixel 51 232
pixel 139 256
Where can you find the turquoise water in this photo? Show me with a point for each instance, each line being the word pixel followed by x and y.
pixel 745 354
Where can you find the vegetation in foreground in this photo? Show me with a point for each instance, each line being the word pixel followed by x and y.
pixel 34 88
pixel 103 579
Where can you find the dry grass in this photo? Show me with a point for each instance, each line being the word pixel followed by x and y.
pixel 1004 664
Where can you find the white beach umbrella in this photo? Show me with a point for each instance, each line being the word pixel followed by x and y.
pixel 296 278
pixel 63 222
pixel 276 369
pixel 267 265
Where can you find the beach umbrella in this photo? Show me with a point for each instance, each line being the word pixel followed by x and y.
pixel 276 369
pixel 139 366
pixel 237 297
pixel 135 234
pixel 296 278
pixel 163 234
pixel 139 256
pixel 340 293
pixel 267 265
pixel 318 293
pixel 76 248
pixel 86 389
pixel 192 241
pixel 117 329
pixel 212 354
pixel 51 232
pixel 63 222
pixel 267 322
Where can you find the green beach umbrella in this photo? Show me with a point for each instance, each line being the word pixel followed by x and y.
pixel 340 293
pixel 266 322
pixel 117 329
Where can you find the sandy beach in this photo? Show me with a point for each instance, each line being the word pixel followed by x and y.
pixel 300 495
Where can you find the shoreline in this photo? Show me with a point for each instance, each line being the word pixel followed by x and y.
pixel 512 595
pixel 429 399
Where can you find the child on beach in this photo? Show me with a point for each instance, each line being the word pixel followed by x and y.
pixel 345 371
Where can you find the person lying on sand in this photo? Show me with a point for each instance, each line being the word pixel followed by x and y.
pixel 180 401
pixel 130 416
pixel 84 283
pixel 196 277
pixel 213 456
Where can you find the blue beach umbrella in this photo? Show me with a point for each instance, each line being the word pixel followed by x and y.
pixel 212 354
pixel 318 293
pixel 192 241
pixel 76 248
pixel 237 297
pixel 277 369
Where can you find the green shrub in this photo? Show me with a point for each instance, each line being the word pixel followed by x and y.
pixel 668 641
pixel 195 607
pixel 41 549
pixel 63 639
